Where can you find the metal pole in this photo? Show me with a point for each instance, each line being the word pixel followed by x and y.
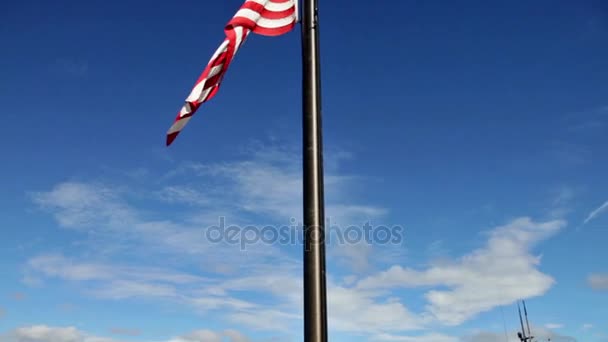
pixel 315 298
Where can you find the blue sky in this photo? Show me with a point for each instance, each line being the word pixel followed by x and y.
pixel 479 128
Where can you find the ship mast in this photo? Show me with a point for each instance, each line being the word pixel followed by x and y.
pixel 522 335
pixel 527 323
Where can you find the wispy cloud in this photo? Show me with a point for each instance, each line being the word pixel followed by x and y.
pixel 229 335
pixel 597 212
pixel 598 281
pixel 215 296
pixel 86 206
pixel 570 154
pixel 72 67
pixel 432 337
pixel 230 298
pixel 588 121
pixel 269 182
pixel 113 215
pixel 562 201
pixel 184 195
pixel 19 296
pixel 264 187
pixel 59 266
pixel 125 331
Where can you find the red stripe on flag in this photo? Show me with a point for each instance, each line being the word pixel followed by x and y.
pixel 213 83
pixel 268 14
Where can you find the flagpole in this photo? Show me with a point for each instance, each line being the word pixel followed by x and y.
pixel 315 298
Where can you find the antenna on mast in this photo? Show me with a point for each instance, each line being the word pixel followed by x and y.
pixel 522 334
pixel 527 323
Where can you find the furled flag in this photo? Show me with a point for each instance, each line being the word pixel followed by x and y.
pixel 264 17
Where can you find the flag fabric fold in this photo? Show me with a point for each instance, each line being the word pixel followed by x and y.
pixel 264 17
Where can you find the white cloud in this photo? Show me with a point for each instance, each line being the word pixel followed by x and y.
pixel 267 186
pixel 484 277
pixel 539 333
pixel 130 289
pixel 479 281
pixel 587 326
pixel 487 336
pixel 374 314
pixel 236 336
pixel 210 302
pixel 266 319
pixel 281 281
pixel 497 274
pixel 113 281
pixel 199 335
pixel 354 256
pixel 227 335
pixel 597 212
pixel 433 337
pixel 554 325
pixel 363 311
pixel 43 333
pixel 598 281
pixel 125 331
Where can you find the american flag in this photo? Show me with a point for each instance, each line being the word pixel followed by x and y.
pixel 264 17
